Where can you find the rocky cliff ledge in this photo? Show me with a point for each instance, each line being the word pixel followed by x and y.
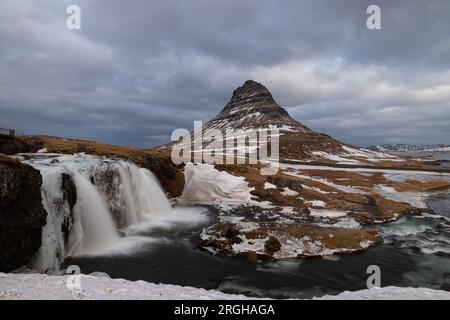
pixel 22 215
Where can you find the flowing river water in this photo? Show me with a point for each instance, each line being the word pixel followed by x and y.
pixel 416 253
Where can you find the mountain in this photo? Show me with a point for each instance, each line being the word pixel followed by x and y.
pixel 411 148
pixel 253 107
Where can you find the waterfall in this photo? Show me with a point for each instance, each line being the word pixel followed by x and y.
pixel 88 199
pixel 132 216
pixel 150 203
pixel 142 194
pixel 97 226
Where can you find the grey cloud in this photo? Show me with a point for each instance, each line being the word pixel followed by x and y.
pixel 138 70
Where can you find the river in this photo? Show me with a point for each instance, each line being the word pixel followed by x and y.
pixel 416 253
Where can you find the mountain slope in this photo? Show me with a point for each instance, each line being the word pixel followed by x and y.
pixel 253 107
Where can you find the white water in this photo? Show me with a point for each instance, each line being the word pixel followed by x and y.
pixel 143 197
pixel 97 226
pixel 149 203
pixel 132 213
pixel 111 195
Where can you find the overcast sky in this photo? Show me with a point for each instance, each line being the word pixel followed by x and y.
pixel 139 69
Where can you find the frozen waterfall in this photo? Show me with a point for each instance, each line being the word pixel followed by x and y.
pixel 88 199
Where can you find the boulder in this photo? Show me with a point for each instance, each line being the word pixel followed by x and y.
pixel 272 245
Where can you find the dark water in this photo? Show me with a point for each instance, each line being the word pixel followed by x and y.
pixel 402 261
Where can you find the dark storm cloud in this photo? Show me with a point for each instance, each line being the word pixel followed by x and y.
pixel 139 69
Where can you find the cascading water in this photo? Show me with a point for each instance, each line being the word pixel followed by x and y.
pixel 88 199
pixel 133 215
pixel 150 203
pixel 97 226
pixel 142 195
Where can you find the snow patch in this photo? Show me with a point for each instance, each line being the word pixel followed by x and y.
pixel 288 192
pixel 327 213
pixel 207 185
pixel 268 185
pixel 315 203
pixel 416 199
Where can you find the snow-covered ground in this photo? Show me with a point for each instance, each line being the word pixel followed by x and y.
pixel 391 293
pixel 40 286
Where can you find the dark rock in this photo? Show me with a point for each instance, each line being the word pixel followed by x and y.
pixel 237 240
pixel 231 232
pixel 220 245
pixel 305 211
pixel 70 195
pixel 22 215
pixel 265 195
pixel 282 182
pixel 272 245
pixel 69 189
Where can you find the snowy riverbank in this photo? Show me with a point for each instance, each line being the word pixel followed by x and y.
pixel 41 286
